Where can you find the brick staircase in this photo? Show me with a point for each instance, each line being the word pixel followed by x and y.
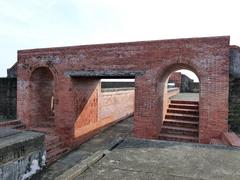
pixel 13 124
pixel 47 123
pixel 54 145
pixel 181 122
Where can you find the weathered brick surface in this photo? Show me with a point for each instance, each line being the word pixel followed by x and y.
pixel 156 60
pixel 42 90
pixel 234 89
pixel 175 78
pixel 8 99
pixel 116 104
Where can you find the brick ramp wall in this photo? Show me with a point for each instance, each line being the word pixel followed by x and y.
pixel 150 62
pixel 116 105
pixel 113 107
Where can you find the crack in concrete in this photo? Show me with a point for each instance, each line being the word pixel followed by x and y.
pixel 88 162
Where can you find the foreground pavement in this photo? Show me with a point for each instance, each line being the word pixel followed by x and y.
pixel 114 154
pixel 146 159
pixel 102 141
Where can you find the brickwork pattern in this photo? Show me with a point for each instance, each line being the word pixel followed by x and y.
pixel 175 78
pixel 207 57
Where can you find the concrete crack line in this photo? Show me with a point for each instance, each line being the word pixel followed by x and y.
pixel 189 177
pixel 81 167
pixel 132 170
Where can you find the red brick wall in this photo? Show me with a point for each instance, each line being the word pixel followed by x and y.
pixel 85 92
pixel 156 60
pixel 116 105
pixel 41 92
pixel 176 78
pixel 112 107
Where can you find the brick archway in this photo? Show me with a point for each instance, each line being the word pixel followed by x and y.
pixel 164 74
pixel 165 104
pixel 42 97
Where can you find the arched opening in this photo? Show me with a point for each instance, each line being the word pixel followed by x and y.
pixel 180 88
pixel 100 102
pixel 42 98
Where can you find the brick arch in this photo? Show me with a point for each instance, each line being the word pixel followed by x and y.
pixel 42 91
pixel 162 78
pixel 51 68
pixel 163 73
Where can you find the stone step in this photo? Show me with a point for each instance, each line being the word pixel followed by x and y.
pixel 54 146
pixel 183 111
pixel 9 123
pixel 179 130
pixel 18 126
pixel 185 117
pixel 184 102
pixel 180 123
pixel 46 124
pixel 50 139
pixel 181 138
pixel 184 106
pixel 44 130
pixel 56 154
pixel 13 124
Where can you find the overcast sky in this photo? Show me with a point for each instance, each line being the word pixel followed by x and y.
pixel 27 24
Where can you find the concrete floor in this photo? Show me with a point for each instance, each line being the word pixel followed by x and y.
pixel 144 159
pixel 99 142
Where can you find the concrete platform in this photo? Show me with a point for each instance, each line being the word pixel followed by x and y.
pixel 19 151
pixel 186 97
pixel 100 142
pixel 144 159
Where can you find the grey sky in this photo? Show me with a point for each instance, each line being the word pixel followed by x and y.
pixel 28 24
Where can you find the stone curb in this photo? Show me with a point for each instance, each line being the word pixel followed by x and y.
pixel 86 163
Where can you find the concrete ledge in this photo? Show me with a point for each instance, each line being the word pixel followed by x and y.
pixel 104 74
pixel 86 163
pixel 118 89
pixel 22 153
pixel 173 92
pixel 15 143
pixel 141 143
pixel 231 139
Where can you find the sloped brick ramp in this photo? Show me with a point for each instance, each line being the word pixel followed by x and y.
pixel 146 159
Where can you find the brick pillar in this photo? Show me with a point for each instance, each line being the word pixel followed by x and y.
pixel 77 105
pixel 147 108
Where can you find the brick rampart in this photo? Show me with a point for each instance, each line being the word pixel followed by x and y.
pixel 113 106
pixel 149 62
